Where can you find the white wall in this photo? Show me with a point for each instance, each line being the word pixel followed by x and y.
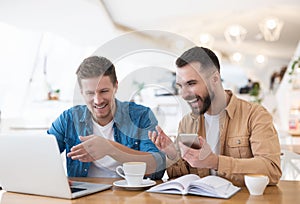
pixel 46 35
pixel 82 22
pixel 287 97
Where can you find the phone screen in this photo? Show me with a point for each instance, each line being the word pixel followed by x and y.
pixel 190 140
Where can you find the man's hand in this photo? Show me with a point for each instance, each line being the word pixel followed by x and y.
pixel 70 182
pixel 199 158
pixel 92 148
pixel 163 142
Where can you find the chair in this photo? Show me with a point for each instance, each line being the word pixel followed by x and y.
pixel 290 165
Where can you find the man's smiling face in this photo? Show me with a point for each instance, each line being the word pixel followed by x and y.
pixel 99 95
pixel 193 87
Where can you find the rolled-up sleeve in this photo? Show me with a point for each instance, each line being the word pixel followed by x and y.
pixel 160 160
pixel 264 152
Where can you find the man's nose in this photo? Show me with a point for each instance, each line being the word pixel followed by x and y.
pixel 185 92
pixel 97 98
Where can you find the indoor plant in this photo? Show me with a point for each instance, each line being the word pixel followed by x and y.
pixel 295 73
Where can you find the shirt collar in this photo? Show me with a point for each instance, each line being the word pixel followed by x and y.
pixel 118 114
pixel 231 106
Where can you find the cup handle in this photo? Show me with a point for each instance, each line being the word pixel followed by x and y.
pixel 267 180
pixel 118 171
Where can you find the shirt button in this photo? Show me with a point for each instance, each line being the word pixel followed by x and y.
pixel 238 141
pixel 136 143
pixel 85 169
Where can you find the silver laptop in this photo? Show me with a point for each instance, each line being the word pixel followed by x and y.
pixel 32 164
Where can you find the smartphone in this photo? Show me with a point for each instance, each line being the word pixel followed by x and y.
pixel 190 140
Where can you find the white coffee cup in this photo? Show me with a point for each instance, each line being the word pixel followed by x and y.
pixel 256 183
pixel 133 172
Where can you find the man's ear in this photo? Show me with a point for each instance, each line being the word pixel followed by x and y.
pixel 116 86
pixel 216 78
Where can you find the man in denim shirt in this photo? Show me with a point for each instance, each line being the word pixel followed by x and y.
pixel 105 132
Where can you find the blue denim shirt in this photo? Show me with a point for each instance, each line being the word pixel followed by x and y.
pixel 131 125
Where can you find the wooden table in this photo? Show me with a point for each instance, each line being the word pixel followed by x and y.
pixel 285 192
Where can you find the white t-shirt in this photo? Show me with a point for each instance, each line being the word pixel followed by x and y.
pixel 106 166
pixel 212 129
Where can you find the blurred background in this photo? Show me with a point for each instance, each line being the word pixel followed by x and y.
pixel 43 43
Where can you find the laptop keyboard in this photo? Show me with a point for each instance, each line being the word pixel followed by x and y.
pixel 74 190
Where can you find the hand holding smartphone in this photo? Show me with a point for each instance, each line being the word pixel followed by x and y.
pixel 190 140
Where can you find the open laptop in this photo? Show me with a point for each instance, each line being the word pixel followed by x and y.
pixel 32 164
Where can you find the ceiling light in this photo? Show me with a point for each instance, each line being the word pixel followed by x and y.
pixel 237 57
pixel 206 40
pixel 235 33
pixel 261 60
pixel 271 28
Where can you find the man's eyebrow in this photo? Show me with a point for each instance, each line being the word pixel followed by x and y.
pixel 103 89
pixel 190 81
pixel 187 82
pixel 89 92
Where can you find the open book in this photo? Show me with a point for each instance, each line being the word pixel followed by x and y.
pixel 211 186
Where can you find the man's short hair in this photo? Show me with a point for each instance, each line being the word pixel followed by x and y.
pixel 96 66
pixel 204 56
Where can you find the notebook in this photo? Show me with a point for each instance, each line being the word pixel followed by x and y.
pixel 32 164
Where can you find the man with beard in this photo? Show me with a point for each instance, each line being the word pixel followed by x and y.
pixel 236 137
pixel 106 132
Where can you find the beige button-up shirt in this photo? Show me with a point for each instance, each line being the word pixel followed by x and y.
pixel 248 143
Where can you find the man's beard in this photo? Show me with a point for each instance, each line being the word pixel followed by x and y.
pixel 206 104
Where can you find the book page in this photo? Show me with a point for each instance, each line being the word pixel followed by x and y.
pixel 176 186
pixel 213 186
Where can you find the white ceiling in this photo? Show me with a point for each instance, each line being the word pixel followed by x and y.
pixel 86 21
pixel 94 23
pixel 189 18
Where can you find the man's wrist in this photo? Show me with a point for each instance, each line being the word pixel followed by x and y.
pixel 173 157
pixel 215 162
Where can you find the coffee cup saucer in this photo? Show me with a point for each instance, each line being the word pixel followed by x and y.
pixel 145 183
